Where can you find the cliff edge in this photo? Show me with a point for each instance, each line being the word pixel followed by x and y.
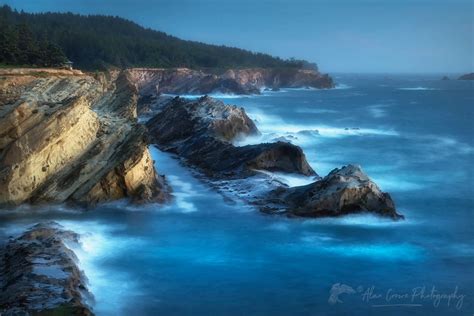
pixel 72 137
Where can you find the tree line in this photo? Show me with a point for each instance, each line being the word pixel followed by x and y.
pixel 98 41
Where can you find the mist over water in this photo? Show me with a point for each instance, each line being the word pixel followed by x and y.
pixel 201 255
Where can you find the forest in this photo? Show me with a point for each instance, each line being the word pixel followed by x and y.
pixel 96 42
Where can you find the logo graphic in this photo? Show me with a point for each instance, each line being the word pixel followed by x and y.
pixel 339 289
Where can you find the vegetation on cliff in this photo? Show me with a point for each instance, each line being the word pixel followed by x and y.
pixel 98 41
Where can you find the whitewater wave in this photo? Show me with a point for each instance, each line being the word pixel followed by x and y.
pixel 342 86
pixel 363 220
pixel 97 245
pixel 417 89
pixel 213 95
pixel 378 110
pixel 315 110
pixel 273 125
pixel 291 180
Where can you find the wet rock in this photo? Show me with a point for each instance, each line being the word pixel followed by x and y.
pixel 202 132
pixel 40 275
pixel 343 191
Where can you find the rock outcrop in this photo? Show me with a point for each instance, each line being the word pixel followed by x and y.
pixel 152 81
pixel 469 76
pixel 39 274
pixel 202 132
pixel 343 191
pixel 73 138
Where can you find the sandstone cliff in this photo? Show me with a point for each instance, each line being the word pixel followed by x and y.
pixel 234 81
pixel 72 137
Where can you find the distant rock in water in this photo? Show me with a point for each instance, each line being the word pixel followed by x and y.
pixel 469 76
pixel 233 81
pixel 73 137
pixel 445 78
pixel 343 191
pixel 201 131
pixel 39 274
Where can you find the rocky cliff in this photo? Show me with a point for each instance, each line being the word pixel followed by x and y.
pixel 233 81
pixel 72 137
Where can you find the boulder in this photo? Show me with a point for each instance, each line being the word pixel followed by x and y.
pixel 343 191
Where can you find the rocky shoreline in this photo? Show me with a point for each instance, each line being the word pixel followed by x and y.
pixel 39 274
pixel 66 136
pixel 153 81
pixel 201 133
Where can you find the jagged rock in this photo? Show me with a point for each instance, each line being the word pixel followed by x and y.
pixel 201 131
pixel 343 191
pixel 40 276
pixel 469 76
pixel 73 138
pixel 233 81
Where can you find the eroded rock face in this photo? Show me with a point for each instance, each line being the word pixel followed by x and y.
pixel 73 138
pixel 343 191
pixel 201 131
pixel 234 81
pixel 40 275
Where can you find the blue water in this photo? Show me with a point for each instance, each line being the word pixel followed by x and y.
pixel 201 255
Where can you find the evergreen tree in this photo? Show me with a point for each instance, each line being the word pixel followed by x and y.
pixel 97 41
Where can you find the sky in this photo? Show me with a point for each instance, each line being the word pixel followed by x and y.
pixel 360 36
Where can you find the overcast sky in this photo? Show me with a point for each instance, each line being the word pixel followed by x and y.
pixel 340 35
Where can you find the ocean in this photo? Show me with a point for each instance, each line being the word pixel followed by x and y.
pixel 203 255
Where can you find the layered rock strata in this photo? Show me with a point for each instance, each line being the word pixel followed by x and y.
pixel 73 138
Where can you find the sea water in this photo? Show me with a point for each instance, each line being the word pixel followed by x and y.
pixel 203 255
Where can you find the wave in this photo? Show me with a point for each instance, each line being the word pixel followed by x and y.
pixel 342 86
pixel 110 288
pixel 417 89
pixel 274 128
pixel 382 251
pixel 378 110
pixel 315 111
pixel 213 95
pixel 363 220
pixel 291 180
